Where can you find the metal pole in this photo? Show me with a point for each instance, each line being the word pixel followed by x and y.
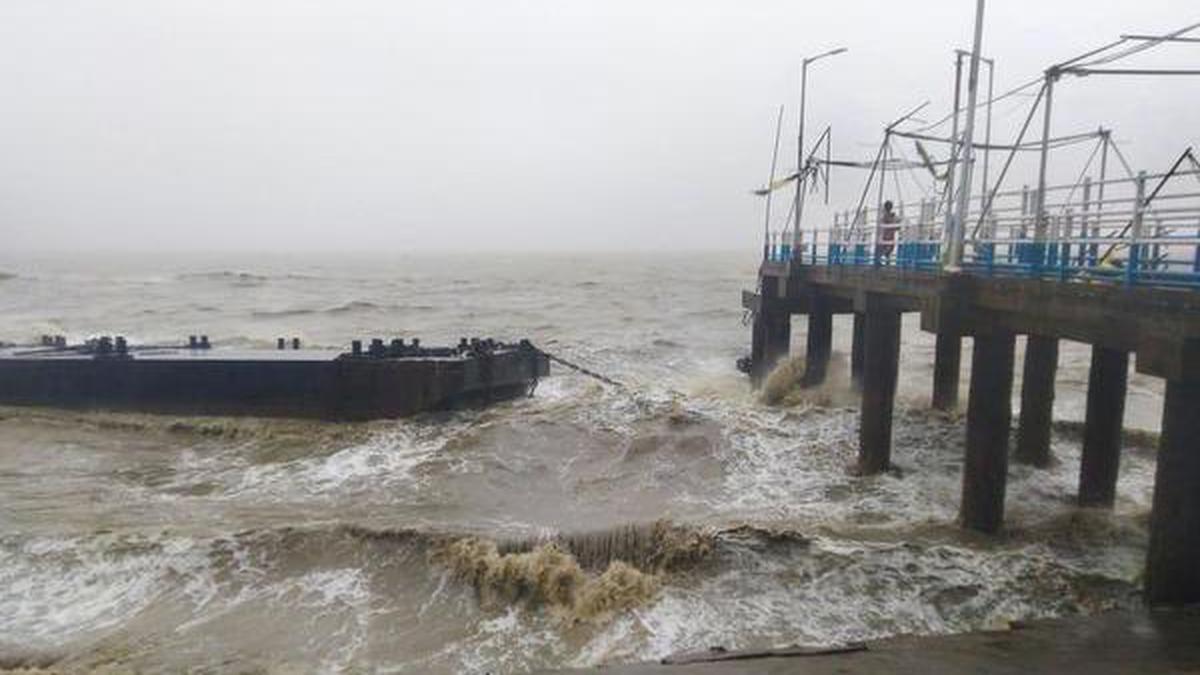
pixel 1023 233
pixel 953 142
pixel 828 159
pixel 987 149
pixel 954 256
pixel 1086 220
pixel 1039 227
pixel 1094 249
pixel 770 184
pixel 835 236
pixel 1135 234
pixel 875 238
pixel 1196 255
pixel 800 177
pixel 955 253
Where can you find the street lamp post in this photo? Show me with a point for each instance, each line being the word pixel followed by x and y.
pixel 801 176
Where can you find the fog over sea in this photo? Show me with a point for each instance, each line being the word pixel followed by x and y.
pixel 584 525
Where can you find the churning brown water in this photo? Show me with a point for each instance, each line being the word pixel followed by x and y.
pixel 581 526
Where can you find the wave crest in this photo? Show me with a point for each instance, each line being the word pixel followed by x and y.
pixel 579 577
pixel 546 576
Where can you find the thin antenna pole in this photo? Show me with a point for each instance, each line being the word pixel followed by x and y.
pixel 987 148
pixel 770 183
pixel 1039 228
pixel 949 196
pixel 877 231
pixel 1106 139
pixel 798 207
pixel 828 159
pixel 955 252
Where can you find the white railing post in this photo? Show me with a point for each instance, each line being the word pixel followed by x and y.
pixel 1156 250
pixel 1064 245
pixel 1023 231
pixel 1135 233
pixel 1084 221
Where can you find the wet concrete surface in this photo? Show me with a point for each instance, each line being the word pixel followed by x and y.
pixel 1161 641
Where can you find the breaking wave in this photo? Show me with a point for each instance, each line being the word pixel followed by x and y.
pixel 785 386
pixel 546 576
pixel 656 547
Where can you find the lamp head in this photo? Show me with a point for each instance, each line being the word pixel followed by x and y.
pixel 832 52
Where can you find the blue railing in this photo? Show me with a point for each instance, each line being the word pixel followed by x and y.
pixel 1119 237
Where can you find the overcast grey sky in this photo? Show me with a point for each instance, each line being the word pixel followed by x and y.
pixel 367 124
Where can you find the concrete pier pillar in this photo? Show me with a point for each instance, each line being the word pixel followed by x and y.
pixel 758 349
pixel 881 354
pixel 1107 381
pixel 989 419
pixel 771 334
pixel 1037 401
pixel 771 338
pixel 779 337
pixel 857 347
pixel 1173 560
pixel 946 365
pixel 819 344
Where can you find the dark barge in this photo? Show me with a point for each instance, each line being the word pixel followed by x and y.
pixel 384 380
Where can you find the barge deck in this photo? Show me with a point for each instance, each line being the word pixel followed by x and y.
pixel 382 381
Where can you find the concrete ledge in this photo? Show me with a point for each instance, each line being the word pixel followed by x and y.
pixel 1114 643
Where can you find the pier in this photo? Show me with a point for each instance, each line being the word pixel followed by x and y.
pixel 1111 260
pixel 1125 296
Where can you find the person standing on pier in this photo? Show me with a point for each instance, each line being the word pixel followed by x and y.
pixel 889 224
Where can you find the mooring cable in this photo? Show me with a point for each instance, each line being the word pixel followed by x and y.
pixel 584 371
pixel 620 386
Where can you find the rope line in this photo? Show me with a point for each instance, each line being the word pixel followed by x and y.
pixel 584 371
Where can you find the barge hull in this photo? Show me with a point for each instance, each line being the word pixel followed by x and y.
pixel 290 384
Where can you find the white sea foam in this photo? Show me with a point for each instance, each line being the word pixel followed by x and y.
pixel 54 591
pixel 195 548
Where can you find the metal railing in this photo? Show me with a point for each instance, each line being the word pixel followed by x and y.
pixel 1133 231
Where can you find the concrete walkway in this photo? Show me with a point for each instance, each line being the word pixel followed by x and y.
pixel 1118 642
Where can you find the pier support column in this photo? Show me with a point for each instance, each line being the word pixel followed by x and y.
pixel 881 354
pixel 1037 401
pixel 819 343
pixel 771 334
pixel 989 420
pixel 947 362
pixel 857 347
pixel 1107 381
pixel 779 338
pixel 771 340
pixel 1173 561
pixel 758 350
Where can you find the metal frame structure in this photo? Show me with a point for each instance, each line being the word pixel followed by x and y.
pixel 1139 229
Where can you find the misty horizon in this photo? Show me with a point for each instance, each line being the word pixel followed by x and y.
pixel 555 127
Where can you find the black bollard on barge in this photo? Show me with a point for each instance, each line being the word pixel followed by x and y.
pixel 384 381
